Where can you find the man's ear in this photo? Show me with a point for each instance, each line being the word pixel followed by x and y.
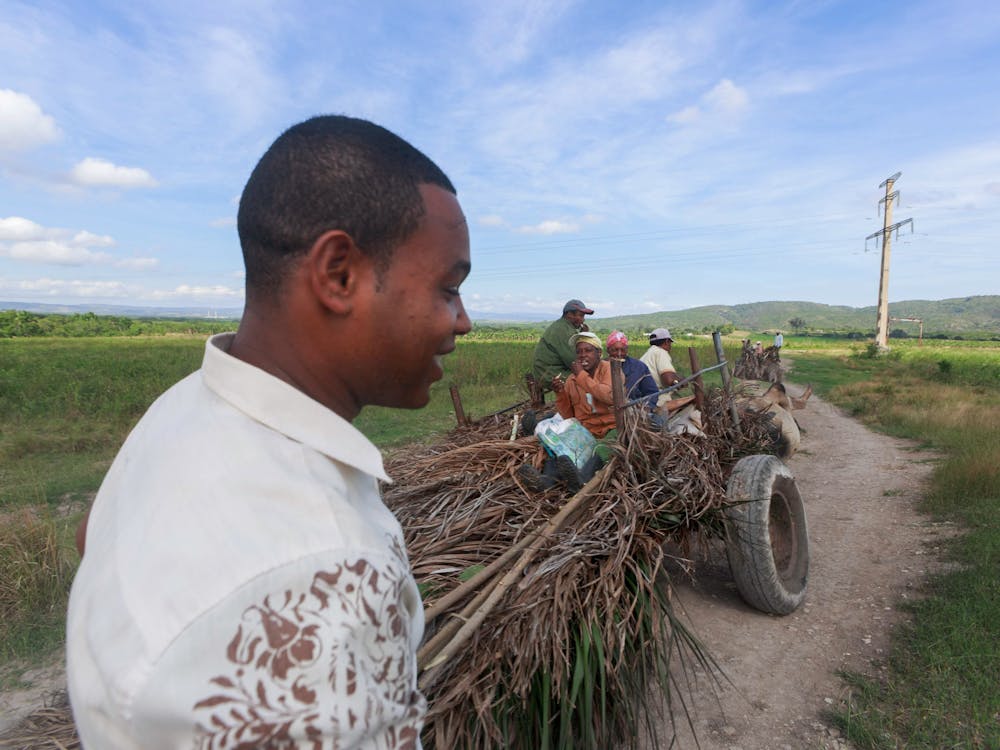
pixel 334 265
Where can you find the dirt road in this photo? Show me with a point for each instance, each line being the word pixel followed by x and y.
pixel 869 549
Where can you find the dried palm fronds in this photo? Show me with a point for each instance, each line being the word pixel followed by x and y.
pixel 555 645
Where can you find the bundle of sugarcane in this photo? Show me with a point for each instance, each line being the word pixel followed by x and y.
pixel 548 616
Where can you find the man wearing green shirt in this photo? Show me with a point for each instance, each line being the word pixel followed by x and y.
pixel 553 353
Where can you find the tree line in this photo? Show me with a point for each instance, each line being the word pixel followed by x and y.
pixel 23 324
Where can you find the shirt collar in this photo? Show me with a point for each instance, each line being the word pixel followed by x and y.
pixel 286 409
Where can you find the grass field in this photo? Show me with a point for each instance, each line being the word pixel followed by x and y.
pixel 67 404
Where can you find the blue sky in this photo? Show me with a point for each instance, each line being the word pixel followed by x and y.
pixel 641 156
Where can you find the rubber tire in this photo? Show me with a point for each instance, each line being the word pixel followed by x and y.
pixel 767 539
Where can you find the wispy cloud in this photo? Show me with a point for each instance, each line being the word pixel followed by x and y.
pixel 723 102
pixel 66 288
pixel 52 252
pixel 94 172
pixel 550 226
pixel 138 264
pixel 23 125
pixel 187 291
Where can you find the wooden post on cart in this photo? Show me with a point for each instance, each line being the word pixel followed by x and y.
pixel 460 417
pixel 618 392
pixel 727 379
pixel 535 392
pixel 698 386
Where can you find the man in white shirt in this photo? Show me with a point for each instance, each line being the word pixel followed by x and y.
pixel 657 359
pixel 243 585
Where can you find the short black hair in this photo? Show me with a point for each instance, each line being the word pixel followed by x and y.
pixel 331 172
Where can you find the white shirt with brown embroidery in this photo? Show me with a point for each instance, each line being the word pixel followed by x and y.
pixel 243 585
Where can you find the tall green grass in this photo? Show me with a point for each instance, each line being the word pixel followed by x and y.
pixel 943 683
pixel 36 568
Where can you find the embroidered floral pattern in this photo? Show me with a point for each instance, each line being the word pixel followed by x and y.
pixel 322 667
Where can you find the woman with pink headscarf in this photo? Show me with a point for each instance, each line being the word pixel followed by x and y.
pixel 638 380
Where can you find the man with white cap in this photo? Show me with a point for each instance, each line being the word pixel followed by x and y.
pixel 661 366
pixel 554 354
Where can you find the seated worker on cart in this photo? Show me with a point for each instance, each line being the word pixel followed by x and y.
pixel 585 395
pixel 554 353
pixel 638 379
pixel 661 367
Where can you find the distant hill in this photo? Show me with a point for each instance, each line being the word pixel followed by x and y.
pixel 980 314
pixel 962 315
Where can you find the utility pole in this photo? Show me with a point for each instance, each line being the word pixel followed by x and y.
pixel 882 321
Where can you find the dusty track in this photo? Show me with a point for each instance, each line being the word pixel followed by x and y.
pixel 869 549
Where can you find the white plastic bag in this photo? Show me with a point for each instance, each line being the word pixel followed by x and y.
pixel 566 437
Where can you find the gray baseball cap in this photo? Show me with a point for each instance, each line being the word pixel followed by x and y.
pixel 575 304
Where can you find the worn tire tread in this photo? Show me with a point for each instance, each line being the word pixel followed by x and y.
pixel 754 482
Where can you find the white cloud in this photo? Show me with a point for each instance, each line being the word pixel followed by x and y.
pixel 727 98
pixel 65 288
pixel 85 238
pixel 223 222
pixel 186 290
pixel 53 252
pixel 724 101
pixel 23 125
pixel 15 228
pixel 23 239
pixel 550 226
pixel 94 172
pixel 138 264
pixel 491 220
pixel 686 115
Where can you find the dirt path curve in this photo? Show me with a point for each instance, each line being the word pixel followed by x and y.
pixel 868 550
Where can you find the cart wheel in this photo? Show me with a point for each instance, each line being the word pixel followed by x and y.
pixel 766 537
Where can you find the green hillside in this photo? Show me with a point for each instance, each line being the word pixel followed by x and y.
pixel 964 315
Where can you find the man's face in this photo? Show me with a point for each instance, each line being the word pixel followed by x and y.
pixel 617 351
pixel 575 317
pixel 416 312
pixel 589 356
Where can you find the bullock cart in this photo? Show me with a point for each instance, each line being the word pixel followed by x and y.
pixel 549 616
